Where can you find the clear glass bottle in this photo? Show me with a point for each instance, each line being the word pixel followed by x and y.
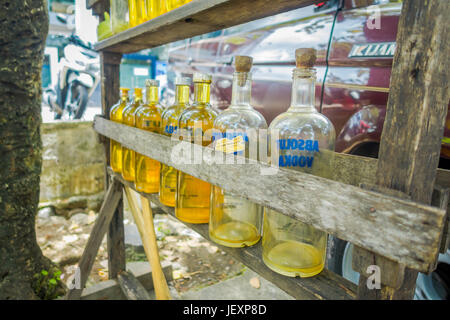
pixel 170 118
pixel 129 156
pixel 119 15
pixel 115 114
pixel 234 221
pixel 154 8
pixel 305 142
pixel 148 117
pixel 193 195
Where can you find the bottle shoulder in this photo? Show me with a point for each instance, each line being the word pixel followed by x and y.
pixel 148 110
pixel 173 112
pixel 197 113
pixel 240 118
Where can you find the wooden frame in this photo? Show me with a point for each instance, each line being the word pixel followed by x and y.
pixel 382 206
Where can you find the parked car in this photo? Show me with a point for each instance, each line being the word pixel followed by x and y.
pixel 354 60
pixel 355 47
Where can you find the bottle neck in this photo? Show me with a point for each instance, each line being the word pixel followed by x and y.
pixel 201 92
pixel 242 90
pixel 182 94
pixel 303 90
pixel 151 95
pixel 124 98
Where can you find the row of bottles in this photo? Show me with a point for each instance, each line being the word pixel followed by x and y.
pixel 130 13
pixel 289 246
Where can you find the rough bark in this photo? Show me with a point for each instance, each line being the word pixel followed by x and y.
pixel 23 30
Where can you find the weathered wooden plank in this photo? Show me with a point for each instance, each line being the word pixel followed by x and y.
pixel 105 215
pixel 326 285
pixel 400 230
pixel 416 112
pixel 131 287
pixel 110 67
pixel 195 18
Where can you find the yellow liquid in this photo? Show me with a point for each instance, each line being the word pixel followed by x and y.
pixel 193 199
pixel 132 12
pixel 147 174
pixel 116 156
pixel 292 258
pixel 168 185
pixel 116 115
pixel 129 156
pixel 235 234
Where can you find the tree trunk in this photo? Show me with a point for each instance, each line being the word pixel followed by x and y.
pixel 24 272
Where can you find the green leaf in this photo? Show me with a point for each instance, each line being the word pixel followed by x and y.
pixel 44 272
pixel 52 281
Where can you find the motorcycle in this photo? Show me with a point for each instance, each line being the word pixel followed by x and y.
pixel 78 77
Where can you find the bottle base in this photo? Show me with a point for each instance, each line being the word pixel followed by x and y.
pixel 235 234
pixel 295 259
pixel 167 203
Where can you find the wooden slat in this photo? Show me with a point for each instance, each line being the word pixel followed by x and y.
pixel 398 229
pixel 195 18
pixel 326 285
pixel 105 215
pixel 131 287
pixel 415 117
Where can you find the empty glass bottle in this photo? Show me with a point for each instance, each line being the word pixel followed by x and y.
pixel 119 15
pixel 148 117
pixel 234 221
pixel 170 118
pixel 115 114
pixel 193 195
pixel 129 156
pixel 305 141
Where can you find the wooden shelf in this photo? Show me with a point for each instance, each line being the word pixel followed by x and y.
pixel 401 230
pixel 195 18
pixel 327 285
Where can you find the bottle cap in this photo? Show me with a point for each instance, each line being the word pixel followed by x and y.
pixel 202 77
pixel 138 91
pixel 305 57
pixel 243 63
pixel 151 83
pixel 186 81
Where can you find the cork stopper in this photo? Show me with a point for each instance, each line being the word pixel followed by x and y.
pixel 138 92
pixel 243 63
pixel 305 57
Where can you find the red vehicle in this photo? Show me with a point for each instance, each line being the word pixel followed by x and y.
pixel 355 46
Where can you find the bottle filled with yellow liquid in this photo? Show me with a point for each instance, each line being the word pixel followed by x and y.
pixel 137 12
pixel 235 221
pixel 155 8
pixel 193 195
pixel 148 117
pixel 169 126
pixel 305 139
pixel 129 156
pixel 115 114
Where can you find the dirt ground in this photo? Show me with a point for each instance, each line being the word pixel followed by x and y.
pixel 195 261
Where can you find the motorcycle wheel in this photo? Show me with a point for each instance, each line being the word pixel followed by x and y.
pixel 80 98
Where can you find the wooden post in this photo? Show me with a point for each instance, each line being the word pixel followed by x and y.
pixel 110 68
pixel 414 124
pixel 112 199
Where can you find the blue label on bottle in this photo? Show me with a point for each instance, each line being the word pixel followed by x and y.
pixel 307 146
pixel 170 129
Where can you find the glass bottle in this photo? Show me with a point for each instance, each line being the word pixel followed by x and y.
pixel 129 156
pixel 305 142
pixel 115 114
pixel 119 15
pixel 141 12
pixel 193 195
pixel 170 118
pixel 154 8
pixel 132 13
pixel 235 221
pixel 148 117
